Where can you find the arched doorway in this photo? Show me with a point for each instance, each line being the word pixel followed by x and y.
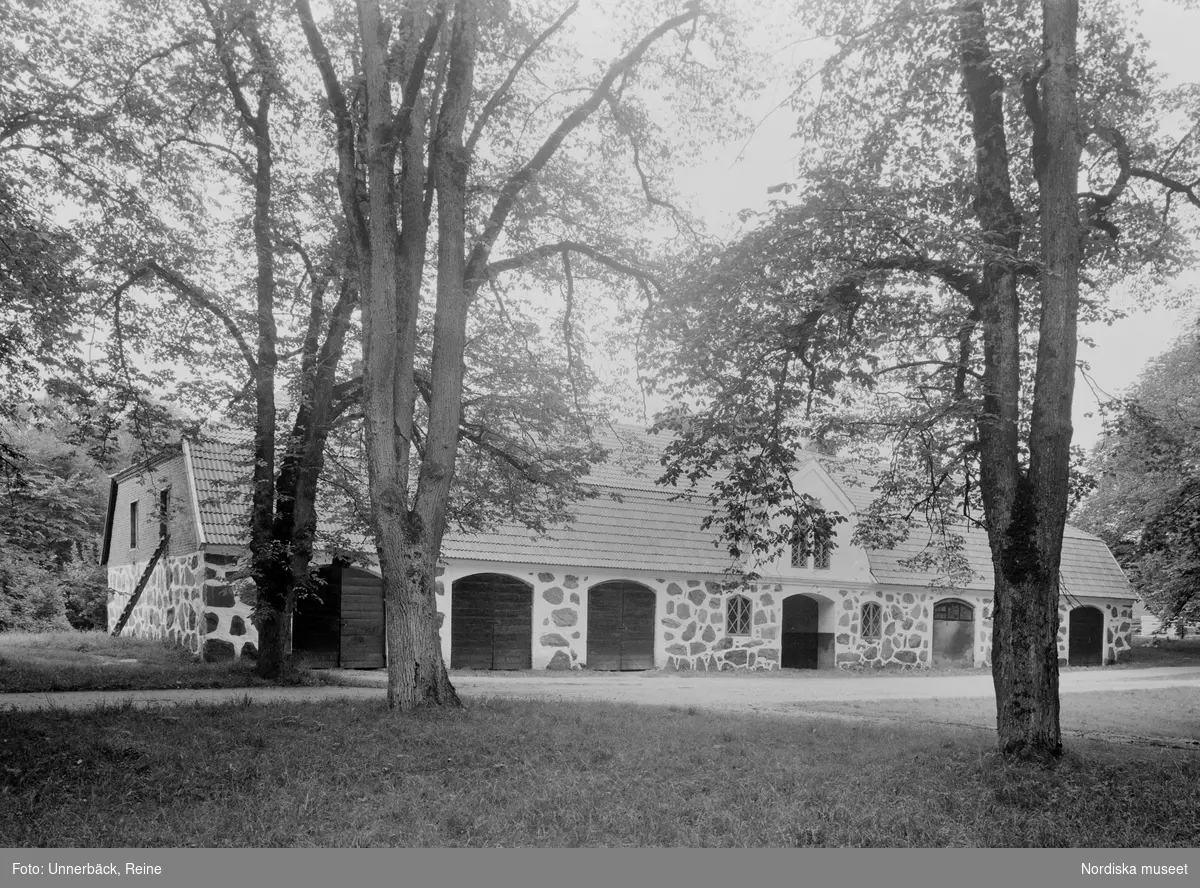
pixel 1085 637
pixel 953 633
pixel 803 644
pixel 491 623
pixel 620 628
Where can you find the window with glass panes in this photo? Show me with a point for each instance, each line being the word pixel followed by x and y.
pixel 737 615
pixel 871 620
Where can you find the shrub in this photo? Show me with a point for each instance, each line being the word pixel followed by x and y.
pixel 30 597
pixel 85 596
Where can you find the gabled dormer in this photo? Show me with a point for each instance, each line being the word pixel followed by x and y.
pixel 822 553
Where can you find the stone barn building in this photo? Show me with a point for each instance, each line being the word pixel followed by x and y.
pixel 632 582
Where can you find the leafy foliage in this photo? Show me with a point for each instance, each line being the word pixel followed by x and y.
pixel 849 316
pixel 1146 504
pixel 52 517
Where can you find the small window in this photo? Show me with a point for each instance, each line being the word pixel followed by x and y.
pixel 823 553
pixel 800 546
pixel 133 523
pixel 955 611
pixel 871 620
pixel 737 615
pixel 164 510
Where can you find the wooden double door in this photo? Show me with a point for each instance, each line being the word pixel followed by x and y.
pixel 620 627
pixel 491 623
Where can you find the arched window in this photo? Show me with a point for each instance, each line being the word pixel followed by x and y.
pixel 872 620
pixel 954 611
pixel 737 615
pixel 813 536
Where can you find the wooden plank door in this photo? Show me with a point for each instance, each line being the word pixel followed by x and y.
pixel 363 641
pixel 491 623
pixel 620 627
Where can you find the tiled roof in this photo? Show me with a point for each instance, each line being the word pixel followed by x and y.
pixel 1087 567
pixel 222 469
pixel 633 523
pixel 628 528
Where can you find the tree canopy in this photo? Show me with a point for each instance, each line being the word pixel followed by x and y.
pixel 917 288
pixel 1146 503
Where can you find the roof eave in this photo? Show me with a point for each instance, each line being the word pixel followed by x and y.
pixel 190 471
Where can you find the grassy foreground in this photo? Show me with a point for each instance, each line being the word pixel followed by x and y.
pixel 95 661
pixel 1156 715
pixel 516 773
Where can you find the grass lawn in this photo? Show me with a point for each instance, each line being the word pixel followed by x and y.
pixel 95 661
pixel 1167 652
pixel 517 773
pixel 1158 714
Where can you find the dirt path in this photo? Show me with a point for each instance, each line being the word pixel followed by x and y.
pixel 766 694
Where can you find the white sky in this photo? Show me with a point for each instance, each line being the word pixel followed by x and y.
pixel 739 175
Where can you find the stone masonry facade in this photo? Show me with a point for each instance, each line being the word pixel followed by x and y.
pixel 199 602
pixel 191 600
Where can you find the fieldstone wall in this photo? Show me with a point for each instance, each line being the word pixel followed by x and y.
pixel 690 618
pixel 694 628
pixel 558 639
pixel 227 629
pixel 190 600
pixel 171 606
pixel 1117 634
pixel 906 630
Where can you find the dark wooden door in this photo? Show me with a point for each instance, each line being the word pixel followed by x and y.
pixel 491 623
pixel 953 634
pixel 316 621
pixel 363 639
pixel 1085 637
pixel 620 627
pixel 800 645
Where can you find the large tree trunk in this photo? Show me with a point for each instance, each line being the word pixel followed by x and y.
pixel 1025 509
pixel 391 269
pixel 1028 710
pixel 408 529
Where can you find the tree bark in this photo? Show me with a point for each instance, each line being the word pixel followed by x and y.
pixel 1028 711
pixel 1025 508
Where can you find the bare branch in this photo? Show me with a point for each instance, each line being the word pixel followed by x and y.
pixel 516 183
pixel 502 91
pixel 538 253
pixel 343 124
pixel 198 298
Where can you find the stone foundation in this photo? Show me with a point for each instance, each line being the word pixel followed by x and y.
pixel 228 600
pixel 190 600
pixel 171 606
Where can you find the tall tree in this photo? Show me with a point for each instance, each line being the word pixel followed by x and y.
pixel 922 289
pixel 439 89
pixel 1146 466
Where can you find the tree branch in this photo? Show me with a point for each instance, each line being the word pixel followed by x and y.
pixel 502 91
pixel 199 299
pixel 343 124
pixel 560 247
pixel 475 274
